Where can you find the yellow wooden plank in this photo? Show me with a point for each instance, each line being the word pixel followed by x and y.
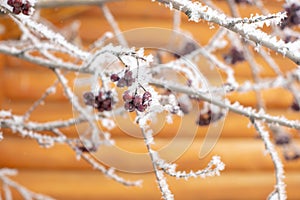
pixel 75 185
pixel 237 154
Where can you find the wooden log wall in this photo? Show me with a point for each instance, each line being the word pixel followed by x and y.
pixel 56 172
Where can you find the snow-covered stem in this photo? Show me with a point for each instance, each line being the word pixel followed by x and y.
pixel 213 169
pixel 114 25
pixel 255 69
pixel 110 172
pixel 23 191
pixel 159 174
pixel 235 107
pixel 176 20
pixel 38 102
pixel 279 192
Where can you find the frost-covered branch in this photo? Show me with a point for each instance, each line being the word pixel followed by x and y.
pixel 9 184
pixel 235 107
pixel 279 192
pixel 196 12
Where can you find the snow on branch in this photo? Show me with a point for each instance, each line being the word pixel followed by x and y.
pixel 213 169
pixel 244 27
pixel 279 192
pixel 9 184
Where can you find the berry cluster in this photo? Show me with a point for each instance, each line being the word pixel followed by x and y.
pixel 233 56
pixel 126 80
pixel 137 102
pixel 20 6
pixel 293 15
pixel 102 102
pixel 209 117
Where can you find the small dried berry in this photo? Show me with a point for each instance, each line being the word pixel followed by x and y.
pixel 89 98
pixel 17 10
pixel 295 106
pixel 282 139
pixel 114 77
pixel 26 8
pixel 147 96
pixel 121 82
pixel 291 156
pixel 127 97
pixel 137 100
pixel 233 56
pixel 293 15
pixel 129 106
pixel 10 2
pixel 141 108
pixel 208 117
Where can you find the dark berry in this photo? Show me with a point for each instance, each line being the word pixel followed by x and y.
pixel 189 82
pixel 233 56
pixel 147 98
pixel 291 156
pixel 141 108
pixel 295 106
pixel 290 38
pixel 25 8
pixel 17 10
pixel 137 100
pixel 282 138
pixel 106 104
pixel 89 98
pixel 204 119
pixel 208 117
pixel 293 15
pixel 127 97
pixel 128 75
pixel 184 108
pixel 242 1
pixel 187 49
pixel 129 82
pixel 84 149
pixel 17 3
pixel 10 2
pixel 129 106
pixel 114 77
pixel 121 82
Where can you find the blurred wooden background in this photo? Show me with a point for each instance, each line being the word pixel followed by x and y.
pixel 55 172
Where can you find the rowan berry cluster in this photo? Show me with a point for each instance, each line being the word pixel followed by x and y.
pixel 20 6
pixel 102 102
pixel 133 101
pixel 136 102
